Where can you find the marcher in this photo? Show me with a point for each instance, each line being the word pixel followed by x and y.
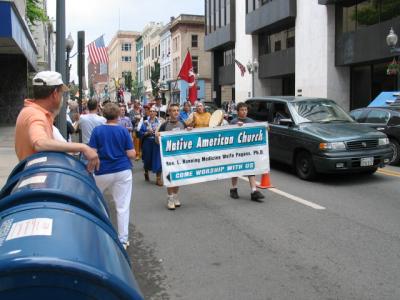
pixel 150 148
pixel 135 114
pixel 34 126
pixel 88 122
pixel 199 118
pixel 123 119
pixel 186 111
pixel 159 107
pixel 114 146
pixel 255 194
pixel 172 124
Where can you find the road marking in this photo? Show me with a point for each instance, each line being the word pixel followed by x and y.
pixel 388 172
pixel 291 197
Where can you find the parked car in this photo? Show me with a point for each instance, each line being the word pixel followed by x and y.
pixel 384 119
pixel 316 135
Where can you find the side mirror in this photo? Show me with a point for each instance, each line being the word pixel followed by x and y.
pixel 394 121
pixel 286 122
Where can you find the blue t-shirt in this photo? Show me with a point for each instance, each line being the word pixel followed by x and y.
pixel 111 143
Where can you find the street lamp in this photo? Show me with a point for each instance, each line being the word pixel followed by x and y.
pixel 69 44
pixel 391 41
pixel 252 67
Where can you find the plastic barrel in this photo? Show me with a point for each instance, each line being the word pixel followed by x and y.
pixel 50 159
pixel 58 185
pixel 50 250
pixel 38 161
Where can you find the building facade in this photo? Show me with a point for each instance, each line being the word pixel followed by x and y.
pixel 18 58
pixel 151 48
pixel 187 34
pixel 139 70
pixel 165 62
pixel 122 61
pixel 98 80
pixel 318 48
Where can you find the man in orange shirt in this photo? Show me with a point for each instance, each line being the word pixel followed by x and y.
pixel 34 127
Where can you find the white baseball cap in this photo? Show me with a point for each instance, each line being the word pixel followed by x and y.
pixel 49 78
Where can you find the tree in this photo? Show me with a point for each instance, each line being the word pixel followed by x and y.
pixel 135 92
pixel 155 77
pixel 35 13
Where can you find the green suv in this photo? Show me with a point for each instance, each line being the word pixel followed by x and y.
pixel 316 135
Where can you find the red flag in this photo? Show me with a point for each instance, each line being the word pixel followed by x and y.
pixel 186 73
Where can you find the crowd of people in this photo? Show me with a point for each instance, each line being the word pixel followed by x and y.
pixel 113 135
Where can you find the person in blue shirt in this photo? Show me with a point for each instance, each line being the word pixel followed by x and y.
pixel 185 113
pixel 114 146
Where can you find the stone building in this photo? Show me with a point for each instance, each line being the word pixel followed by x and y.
pixel 321 48
pixel 122 60
pixel 187 34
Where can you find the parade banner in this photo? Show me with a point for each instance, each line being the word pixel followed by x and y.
pixel 206 154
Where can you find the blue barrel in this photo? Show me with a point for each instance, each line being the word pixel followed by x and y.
pixel 50 159
pixel 58 185
pixel 50 250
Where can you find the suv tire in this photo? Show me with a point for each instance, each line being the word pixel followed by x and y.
pixel 396 151
pixel 304 166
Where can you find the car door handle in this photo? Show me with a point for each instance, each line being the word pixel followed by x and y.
pixel 380 128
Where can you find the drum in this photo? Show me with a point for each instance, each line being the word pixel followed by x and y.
pixel 216 118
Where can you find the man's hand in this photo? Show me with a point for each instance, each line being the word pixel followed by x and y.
pixel 240 123
pixel 93 159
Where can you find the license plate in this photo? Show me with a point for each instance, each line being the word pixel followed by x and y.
pixel 367 161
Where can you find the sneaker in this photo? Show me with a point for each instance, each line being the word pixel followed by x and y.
pixel 125 245
pixel 233 193
pixel 170 203
pixel 257 196
pixel 176 201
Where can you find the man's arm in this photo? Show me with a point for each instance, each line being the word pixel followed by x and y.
pixel 46 144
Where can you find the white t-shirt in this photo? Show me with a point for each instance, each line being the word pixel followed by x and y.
pixel 87 123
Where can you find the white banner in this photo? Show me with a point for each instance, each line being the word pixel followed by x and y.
pixel 206 154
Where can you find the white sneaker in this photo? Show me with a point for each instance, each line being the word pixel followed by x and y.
pixel 176 200
pixel 170 203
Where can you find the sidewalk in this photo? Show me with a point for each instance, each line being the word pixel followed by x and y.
pixel 8 159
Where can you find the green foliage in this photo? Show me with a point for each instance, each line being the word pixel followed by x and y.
pixel 128 81
pixel 34 12
pixel 135 92
pixel 369 15
pixel 155 77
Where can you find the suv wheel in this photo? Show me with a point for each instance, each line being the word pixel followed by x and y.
pixel 396 149
pixel 304 166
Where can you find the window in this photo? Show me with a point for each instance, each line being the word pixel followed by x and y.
pixel 365 13
pixel 126 58
pixel 377 117
pixel 195 62
pixel 195 42
pixel 276 41
pixel 126 47
pixel 229 57
pixel 277 46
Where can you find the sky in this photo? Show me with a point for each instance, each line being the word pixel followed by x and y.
pixel 97 17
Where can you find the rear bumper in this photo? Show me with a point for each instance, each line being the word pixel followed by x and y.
pixel 351 161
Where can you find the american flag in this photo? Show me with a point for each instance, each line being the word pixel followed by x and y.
pixel 241 67
pixel 98 51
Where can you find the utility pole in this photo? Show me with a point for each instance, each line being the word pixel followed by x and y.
pixel 81 71
pixel 61 119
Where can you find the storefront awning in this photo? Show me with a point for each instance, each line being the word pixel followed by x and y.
pixel 15 37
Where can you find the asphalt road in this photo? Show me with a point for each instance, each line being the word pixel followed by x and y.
pixel 337 238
